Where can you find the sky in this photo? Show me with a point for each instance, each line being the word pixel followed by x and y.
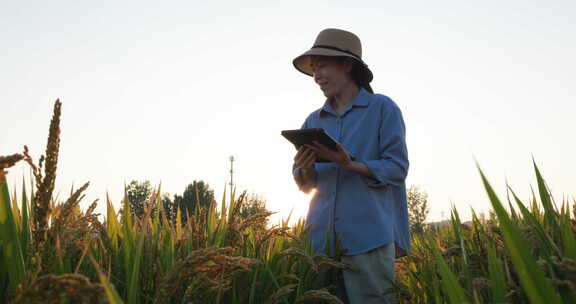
pixel 166 91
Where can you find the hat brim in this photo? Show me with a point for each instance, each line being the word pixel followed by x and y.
pixel 302 62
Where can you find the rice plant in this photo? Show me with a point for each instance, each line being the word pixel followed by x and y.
pixel 53 252
pixel 525 254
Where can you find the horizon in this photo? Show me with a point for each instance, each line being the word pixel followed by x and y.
pixel 167 93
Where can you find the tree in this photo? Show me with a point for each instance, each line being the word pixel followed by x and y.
pixel 198 192
pixel 253 204
pixel 417 208
pixel 169 208
pixel 139 194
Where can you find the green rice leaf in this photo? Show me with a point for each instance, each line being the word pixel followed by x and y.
pixel 111 294
pixel 547 244
pixel 11 250
pixel 451 286
pixel 534 283
pixel 568 241
pixel 25 232
pixel 550 212
pixel 496 274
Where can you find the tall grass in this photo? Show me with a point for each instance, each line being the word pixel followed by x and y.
pixel 525 254
pixel 52 251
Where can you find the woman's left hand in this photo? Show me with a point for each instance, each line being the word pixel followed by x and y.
pixel 340 156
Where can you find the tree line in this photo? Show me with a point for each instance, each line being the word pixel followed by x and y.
pixel 197 194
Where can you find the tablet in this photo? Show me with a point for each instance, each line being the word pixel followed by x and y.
pixel 301 137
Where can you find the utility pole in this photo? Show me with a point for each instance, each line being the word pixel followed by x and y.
pixel 231 178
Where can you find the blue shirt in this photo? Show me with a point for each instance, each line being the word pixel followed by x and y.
pixel 365 213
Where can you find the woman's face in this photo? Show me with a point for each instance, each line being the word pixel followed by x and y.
pixel 331 74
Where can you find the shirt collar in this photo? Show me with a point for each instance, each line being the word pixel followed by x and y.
pixel 361 100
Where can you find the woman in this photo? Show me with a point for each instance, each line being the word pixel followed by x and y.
pixel 361 200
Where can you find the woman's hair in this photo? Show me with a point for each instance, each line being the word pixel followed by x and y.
pixel 356 73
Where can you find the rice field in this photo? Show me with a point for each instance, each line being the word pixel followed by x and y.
pixel 51 251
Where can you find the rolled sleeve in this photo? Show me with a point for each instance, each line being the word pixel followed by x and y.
pixel 304 187
pixel 392 166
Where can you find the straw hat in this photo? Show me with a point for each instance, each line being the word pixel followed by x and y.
pixel 336 42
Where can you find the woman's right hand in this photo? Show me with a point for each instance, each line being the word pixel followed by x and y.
pixel 305 158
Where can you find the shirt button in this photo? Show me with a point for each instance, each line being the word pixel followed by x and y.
pixel 336 219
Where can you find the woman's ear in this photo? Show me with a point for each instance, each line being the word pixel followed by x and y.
pixel 348 65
